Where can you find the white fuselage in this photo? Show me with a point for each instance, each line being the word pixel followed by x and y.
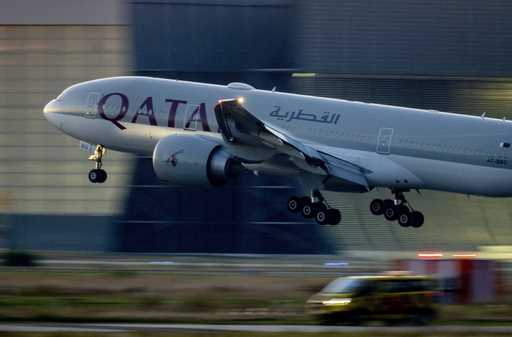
pixel 400 148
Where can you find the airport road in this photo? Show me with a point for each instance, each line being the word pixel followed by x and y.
pixel 131 327
pixel 269 264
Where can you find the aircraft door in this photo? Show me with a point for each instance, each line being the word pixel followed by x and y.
pixel 384 140
pixel 91 107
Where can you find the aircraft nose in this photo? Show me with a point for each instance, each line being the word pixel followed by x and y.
pixel 50 110
pixel 49 107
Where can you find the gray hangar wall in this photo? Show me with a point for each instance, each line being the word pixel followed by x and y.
pixel 217 42
pixel 46 200
pixel 450 55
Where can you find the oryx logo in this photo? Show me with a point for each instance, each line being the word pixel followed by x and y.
pixel 173 159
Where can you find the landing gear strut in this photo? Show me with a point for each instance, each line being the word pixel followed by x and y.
pixel 315 207
pixel 98 175
pixel 398 209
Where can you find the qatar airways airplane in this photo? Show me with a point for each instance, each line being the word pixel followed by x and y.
pixel 205 134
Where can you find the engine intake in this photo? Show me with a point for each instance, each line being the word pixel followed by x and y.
pixel 193 160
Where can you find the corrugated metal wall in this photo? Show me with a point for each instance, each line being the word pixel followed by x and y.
pixel 216 42
pixel 43 170
pixel 399 37
pixel 449 55
pixel 453 222
pixel 43 176
pixel 212 35
pixel 459 95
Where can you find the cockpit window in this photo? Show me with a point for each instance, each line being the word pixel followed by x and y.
pixel 92 102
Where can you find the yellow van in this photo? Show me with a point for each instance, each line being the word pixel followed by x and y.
pixel 356 299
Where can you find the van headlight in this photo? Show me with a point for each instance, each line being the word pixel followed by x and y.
pixel 337 301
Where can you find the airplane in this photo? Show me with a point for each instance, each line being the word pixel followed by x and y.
pixel 207 134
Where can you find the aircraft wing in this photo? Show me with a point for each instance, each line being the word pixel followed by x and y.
pixel 239 126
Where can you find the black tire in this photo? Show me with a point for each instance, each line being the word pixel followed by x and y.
pixel 419 219
pixel 307 210
pixel 294 204
pixel 94 176
pixel 321 216
pixel 377 207
pixel 333 216
pixel 102 176
pixel 390 210
pixel 405 219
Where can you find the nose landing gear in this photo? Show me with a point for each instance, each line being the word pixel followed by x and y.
pixel 314 207
pixel 98 175
pixel 397 209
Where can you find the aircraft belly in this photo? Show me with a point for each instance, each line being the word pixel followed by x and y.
pixel 458 177
pixel 135 138
pixel 408 172
pixel 385 172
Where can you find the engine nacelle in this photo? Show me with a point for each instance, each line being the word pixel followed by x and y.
pixel 192 160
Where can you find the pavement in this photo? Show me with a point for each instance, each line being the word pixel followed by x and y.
pixel 132 327
pixel 215 263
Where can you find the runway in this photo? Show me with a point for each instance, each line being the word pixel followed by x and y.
pixel 327 265
pixel 133 327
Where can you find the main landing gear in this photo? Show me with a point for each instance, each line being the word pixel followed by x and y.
pixel 397 209
pixel 98 175
pixel 315 207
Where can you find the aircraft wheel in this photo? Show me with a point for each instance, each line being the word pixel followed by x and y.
pixel 294 204
pixel 102 176
pixel 405 219
pixel 94 175
pixel 307 209
pixel 321 215
pixel 97 176
pixel 419 219
pixel 377 207
pixel 390 210
pixel 333 216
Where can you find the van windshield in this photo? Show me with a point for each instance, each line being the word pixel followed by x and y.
pixel 343 285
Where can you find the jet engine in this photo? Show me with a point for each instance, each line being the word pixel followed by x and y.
pixel 193 160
